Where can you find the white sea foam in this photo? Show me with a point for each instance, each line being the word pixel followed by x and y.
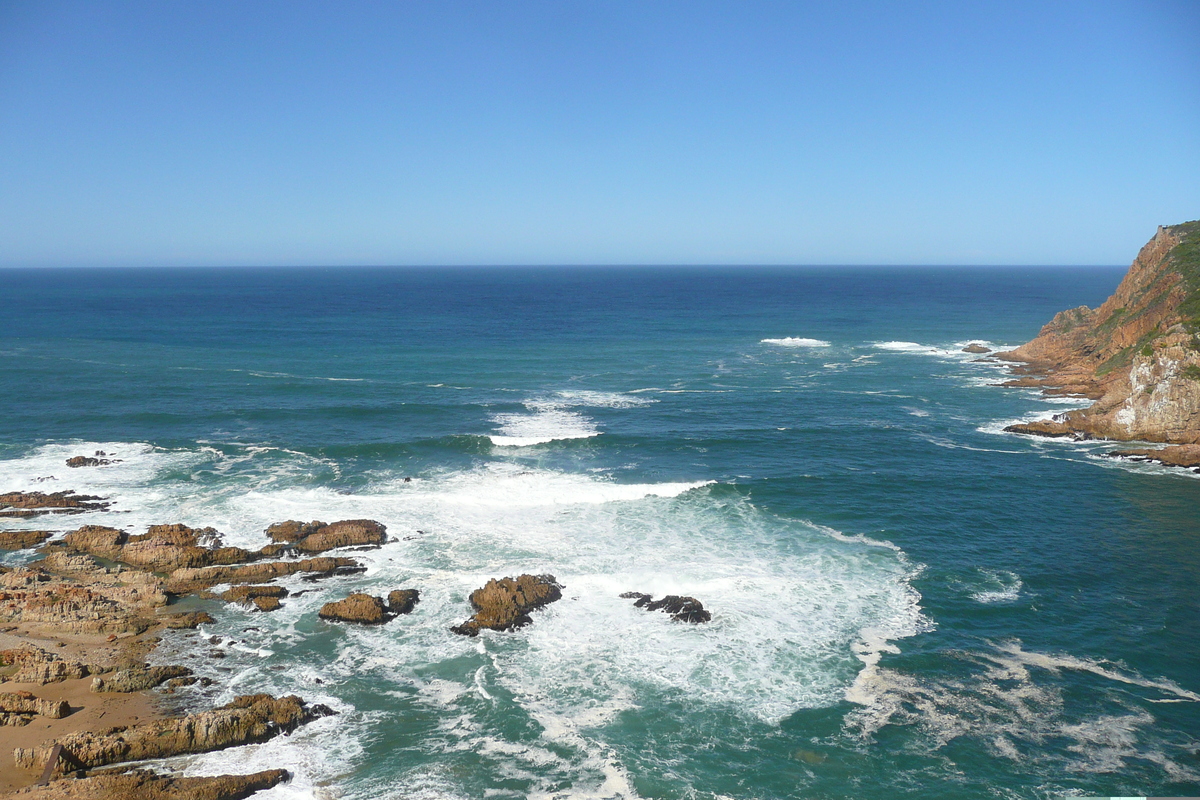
pixel 789 601
pixel 795 341
pixel 997 586
pixel 554 418
pixel 1011 704
pixel 546 424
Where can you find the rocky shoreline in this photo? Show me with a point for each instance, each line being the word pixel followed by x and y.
pixel 77 624
pixel 1137 357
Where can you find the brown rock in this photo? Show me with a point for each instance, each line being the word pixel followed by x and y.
pixel 161 549
pixel 1137 355
pixel 193 619
pixel 137 679
pixel 27 703
pixel 31 504
pixel 20 540
pixel 401 601
pixel 505 604
pixel 35 665
pixel 183 581
pixel 361 608
pixel 146 785
pixel 975 347
pixel 248 719
pixel 1053 428
pixel 1183 455
pixel 317 537
pixel 88 461
pixel 248 594
pixel 267 603
pixel 97 603
pixel 681 608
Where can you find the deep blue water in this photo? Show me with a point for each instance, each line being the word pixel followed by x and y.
pixel 906 601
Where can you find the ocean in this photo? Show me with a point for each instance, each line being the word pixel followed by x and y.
pixel 906 601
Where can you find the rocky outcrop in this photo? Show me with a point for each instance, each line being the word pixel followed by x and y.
pixel 137 679
pixel 35 665
pixel 31 504
pixel 317 537
pixel 183 581
pixel 1137 355
pixel 1179 455
pixel 248 719
pixel 364 609
pixel 93 601
pixel 190 619
pixel 504 604
pixel 976 348
pixel 89 461
pixel 679 607
pixel 162 548
pixel 402 601
pixel 19 708
pixel 21 540
pixel 146 785
pixel 264 598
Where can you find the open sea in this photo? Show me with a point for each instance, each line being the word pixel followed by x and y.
pixel 907 602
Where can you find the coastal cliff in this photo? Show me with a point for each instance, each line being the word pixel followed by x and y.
pixel 1137 355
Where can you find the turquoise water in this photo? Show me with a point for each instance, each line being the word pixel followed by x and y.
pixel 906 601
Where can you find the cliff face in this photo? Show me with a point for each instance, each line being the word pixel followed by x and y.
pixel 1137 355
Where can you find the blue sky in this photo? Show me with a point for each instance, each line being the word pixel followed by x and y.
pixel 172 133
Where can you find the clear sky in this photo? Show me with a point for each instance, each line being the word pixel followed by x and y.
pixel 605 132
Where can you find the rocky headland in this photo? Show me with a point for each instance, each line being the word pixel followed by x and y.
pixel 1137 356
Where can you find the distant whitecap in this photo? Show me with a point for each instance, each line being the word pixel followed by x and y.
pixel 795 341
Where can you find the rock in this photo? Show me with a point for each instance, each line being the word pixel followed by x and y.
pixel 183 581
pixel 137 679
pixel 1044 427
pixel 146 785
pixel 681 608
pixel 100 603
pixel 250 595
pixel 162 548
pixel 1184 455
pixel 88 461
pixel 31 504
pixel 1137 355
pixel 27 703
pixel 505 604
pixel 975 347
pixel 193 619
pixel 317 537
pixel 35 665
pixel 401 601
pixel 248 719
pixel 21 540
pixel 267 603
pixel 361 608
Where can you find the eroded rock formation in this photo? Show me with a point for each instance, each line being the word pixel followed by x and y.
pixel 137 679
pixel 364 609
pixel 1137 355
pixel 19 708
pixel 146 785
pixel 20 540
pixel 188 579
pixel 31 504
pixel 679 607
pixel 504 604
pixel 317 537
pixel 402 601
pixel 248 719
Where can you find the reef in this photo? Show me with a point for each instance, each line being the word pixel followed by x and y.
pixel 504 604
